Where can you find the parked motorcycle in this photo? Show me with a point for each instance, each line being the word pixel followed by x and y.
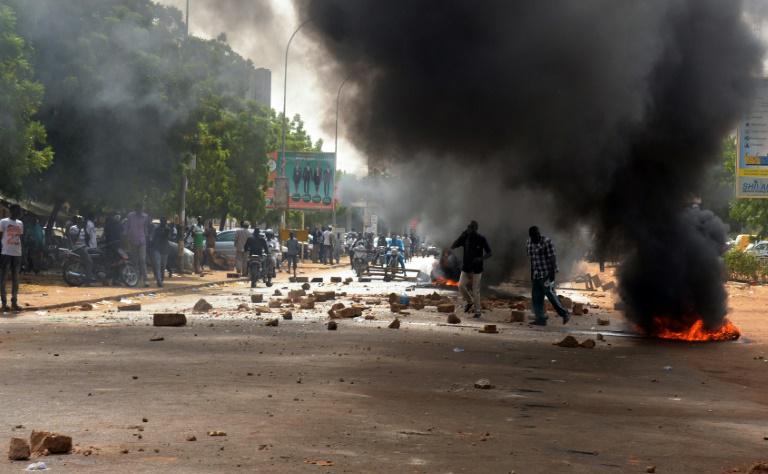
pixel 258 268
pixel 105 268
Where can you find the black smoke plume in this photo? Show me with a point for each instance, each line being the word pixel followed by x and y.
pixel 599 112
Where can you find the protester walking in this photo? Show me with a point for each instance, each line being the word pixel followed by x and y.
pixel 327 250
pixel 160 250
pixel 136 230
pixel 241 238
pixel 543 269
pixel 11 233
pixel 476 251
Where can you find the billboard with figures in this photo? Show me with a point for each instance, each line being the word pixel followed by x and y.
pixel 310 176
pixel 752 149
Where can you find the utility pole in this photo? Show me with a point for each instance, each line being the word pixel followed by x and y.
pixel 184 183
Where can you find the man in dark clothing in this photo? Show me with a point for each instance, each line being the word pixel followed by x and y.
pixel 255 245
pixel 296 178
pixel 476 251
pixel 293 248
pixel 543 268
pixel 317 177
pixel 327 182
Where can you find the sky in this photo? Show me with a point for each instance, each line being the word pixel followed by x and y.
pixel 259 30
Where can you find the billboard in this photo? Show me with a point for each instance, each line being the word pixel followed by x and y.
pixel 311 179
pixel 752 149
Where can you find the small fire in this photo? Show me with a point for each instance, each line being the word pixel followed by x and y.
pixel 440 281
pixel 665 328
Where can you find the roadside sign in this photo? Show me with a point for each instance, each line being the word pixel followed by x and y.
pixel 752 148
pixel 310 179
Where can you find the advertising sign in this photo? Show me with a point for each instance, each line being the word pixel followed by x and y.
pixel 311 179
pixel 752 146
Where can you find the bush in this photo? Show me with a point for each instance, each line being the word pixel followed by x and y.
pixel 744 266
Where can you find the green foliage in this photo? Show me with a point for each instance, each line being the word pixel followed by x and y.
pixel 750 213
pixel 744 266
pixel 23 139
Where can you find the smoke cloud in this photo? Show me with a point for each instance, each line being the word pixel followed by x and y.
pixel 563 113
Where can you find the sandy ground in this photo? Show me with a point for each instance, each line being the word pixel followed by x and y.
pixel 365 398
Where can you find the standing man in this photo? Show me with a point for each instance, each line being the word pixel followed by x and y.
pixel 543 268
pixel 210 245
pixel 327 182
pixel 241 238
pixel 327 255
pixel 136 230
pixel 292 252
pixel 476 251
pixel 160 249
pixel 198 239
pixel 306 175
pixel 11 232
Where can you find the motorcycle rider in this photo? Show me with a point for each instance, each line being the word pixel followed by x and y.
pixel 398 242
pixel 256 246
pixel 79 240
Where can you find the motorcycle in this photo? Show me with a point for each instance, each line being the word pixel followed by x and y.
pixel 361 260
pixel 104 269
pixel 393 262
pixel 258 268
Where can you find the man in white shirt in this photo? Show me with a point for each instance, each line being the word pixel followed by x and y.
pixel 90 232
pixel 327 256
pixel 11 232
pixel 241 238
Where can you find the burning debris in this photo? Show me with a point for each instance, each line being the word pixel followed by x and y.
pixel 576 130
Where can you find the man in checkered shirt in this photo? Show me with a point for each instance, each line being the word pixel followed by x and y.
pixel 543 268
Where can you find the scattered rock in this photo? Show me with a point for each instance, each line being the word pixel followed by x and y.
pixel 261 309
pixel 609 286
pixel 317 280
pixel 578 309
pixel 396 307
pixel 393 298
pixel 603 322
pixel 191 438
pixel 446 308
pixel 272 322
pixel 257 298
pixel 18 450
pixel 364 280
pixel 759 468
pixel 489 329
pixel 305 286
pixel 332 326
pixel 169 319
pixel 86 307
pixel 243 307
pixel 517 316
pixel 202 306
pixel 335 279
pixel 275 303
pixel 157 339
pixel 287 315
pixel 277 293
pixel 600 337
pixel 568 341
pixel 395 324
pixel 588 344
pixel 483 384
pixel 233 275
pixel 129 307
pixel 349 280
pixel 307 303
pixel 372 302
pixel 217 433
pixel 337 306
pixel 45 443
pixel 453 319
pixel 295 295
pixel 302 280
pixel 650 469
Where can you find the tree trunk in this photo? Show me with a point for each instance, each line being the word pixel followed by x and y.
pixel 223 220
pixel 55 212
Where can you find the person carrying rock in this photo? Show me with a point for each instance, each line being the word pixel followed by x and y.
pixel 543 269
pixel 476 251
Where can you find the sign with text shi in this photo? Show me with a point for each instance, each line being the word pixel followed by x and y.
pixel 310 176
pixel 752 148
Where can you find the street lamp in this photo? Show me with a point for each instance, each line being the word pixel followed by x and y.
pixel 285 95
pixel 336 146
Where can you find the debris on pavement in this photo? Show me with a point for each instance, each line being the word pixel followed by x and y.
pixel 19 449
pixel 305 286
pixel 243 307
pixel 489 329
pixel 332 326
pixel 287 315
pixel 37 466
pixel 453 319
pixel 272 322
pixel 446 308
pixel 86 307
pixel 217 433
pixel 257 298
pixel 157 339
pixel 603 322
pixel 517 316
pixel 191 438
pixel 202 306
pixel 129 307
pixel 394 324
pixel 45 443
pixel 568 341
pixel 169 319
pixel 321 462
pixel 588 344
pixel 483 384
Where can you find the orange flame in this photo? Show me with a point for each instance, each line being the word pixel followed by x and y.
pixel 440 281
pixel 665 328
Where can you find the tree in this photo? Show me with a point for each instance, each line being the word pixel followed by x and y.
pixel 751 213
pixel 23 148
